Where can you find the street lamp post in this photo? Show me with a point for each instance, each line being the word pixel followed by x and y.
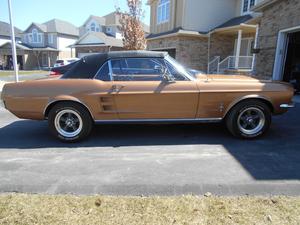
pixel 13 42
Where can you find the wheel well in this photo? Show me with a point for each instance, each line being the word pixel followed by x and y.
pixel 51 105
pixel 268 103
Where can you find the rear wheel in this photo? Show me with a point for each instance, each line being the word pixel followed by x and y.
pixel 69 122
pixel 249 119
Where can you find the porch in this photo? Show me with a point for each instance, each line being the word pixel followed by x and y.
pixel 28 58
pixel 231 50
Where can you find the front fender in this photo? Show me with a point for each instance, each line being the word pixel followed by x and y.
pixel 248 97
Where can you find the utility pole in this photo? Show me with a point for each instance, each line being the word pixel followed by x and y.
pixel 13 42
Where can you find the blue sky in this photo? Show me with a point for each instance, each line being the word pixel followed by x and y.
pixel 74 11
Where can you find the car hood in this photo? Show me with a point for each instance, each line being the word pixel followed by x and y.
pixel 231 78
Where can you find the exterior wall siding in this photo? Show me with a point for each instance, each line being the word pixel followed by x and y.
pixel 203 15
pixel 281 15
pixel 167 26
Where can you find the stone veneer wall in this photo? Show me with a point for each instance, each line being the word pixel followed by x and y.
pixel 222 45
pixel 190 51
pixel 281 15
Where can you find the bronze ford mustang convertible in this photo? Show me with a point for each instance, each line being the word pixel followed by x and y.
pixel 141 86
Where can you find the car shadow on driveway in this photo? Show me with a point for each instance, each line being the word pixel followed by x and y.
pixel 276 156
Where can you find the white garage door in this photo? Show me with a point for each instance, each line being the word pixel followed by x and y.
pixel 80 55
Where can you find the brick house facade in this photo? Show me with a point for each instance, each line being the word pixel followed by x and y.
pixel 191 51
pixel 213 36
pixel 279 20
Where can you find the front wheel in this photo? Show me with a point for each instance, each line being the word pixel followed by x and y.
pixel 69 122
pixel 249 119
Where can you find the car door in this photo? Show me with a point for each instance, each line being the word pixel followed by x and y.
pixel 103 96
pixel 140 92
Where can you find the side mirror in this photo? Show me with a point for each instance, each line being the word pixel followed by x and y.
pixel 167 78
pixel 159 69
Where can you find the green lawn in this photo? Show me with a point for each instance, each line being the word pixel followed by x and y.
pixel 23 72
pixel 107 210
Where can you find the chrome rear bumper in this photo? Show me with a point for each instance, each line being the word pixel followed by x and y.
pixel 287 106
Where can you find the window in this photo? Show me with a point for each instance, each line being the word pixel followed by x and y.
pixel 247 5
pixel 103 73
pixel 35 35
pixel 29 38
pixel 50 38
pixel 93 27
pixel 163 11
pixel 137 69
pixel 39 38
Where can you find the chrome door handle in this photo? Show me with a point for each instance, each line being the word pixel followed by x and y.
pixel 117 87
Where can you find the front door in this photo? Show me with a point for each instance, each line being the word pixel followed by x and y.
pixel 141 92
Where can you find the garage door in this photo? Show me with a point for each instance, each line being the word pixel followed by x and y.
pixel 80 55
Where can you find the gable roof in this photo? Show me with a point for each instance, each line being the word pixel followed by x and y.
pixel 235 21
pixel 56 26
pixel 103 39
pixel 5 30
pixel 61 27
pixel 100 20
pixel 42 27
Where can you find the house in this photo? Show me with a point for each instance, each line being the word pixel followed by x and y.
pixel 214 36
pixel 42 44
pixel 279 40
pixel 100 34
pixel 5 62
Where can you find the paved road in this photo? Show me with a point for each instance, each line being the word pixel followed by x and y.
pixel 152 159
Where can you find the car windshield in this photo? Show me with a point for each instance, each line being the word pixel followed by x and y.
pixel 180 68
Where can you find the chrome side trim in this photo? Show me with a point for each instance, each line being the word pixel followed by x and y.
pixel 142 121
pixel 54 101
pixel 110 70
pixel 287 106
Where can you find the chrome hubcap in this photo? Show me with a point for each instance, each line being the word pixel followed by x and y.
pixel 68 123
pixel 251 121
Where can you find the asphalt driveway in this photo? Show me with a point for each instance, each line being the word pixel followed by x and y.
pixel 151 159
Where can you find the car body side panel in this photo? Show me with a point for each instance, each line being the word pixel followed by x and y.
pixel 29 100
pixel 156 99
pixel 218 94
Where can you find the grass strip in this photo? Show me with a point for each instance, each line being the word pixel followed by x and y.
pixel 68 209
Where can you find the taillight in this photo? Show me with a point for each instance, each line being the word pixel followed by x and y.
pixel 54 73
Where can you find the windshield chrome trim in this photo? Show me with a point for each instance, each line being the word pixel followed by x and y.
pixel 171 60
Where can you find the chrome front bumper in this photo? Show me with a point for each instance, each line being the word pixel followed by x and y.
pixel 287 106
pixel 2 104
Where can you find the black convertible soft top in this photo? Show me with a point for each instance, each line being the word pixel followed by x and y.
pixel 87 67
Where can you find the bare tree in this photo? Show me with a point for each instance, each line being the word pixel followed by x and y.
pixel 132 27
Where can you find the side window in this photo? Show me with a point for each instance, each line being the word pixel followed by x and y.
pixel 103 73
pixel 138 69
pixel 177 75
